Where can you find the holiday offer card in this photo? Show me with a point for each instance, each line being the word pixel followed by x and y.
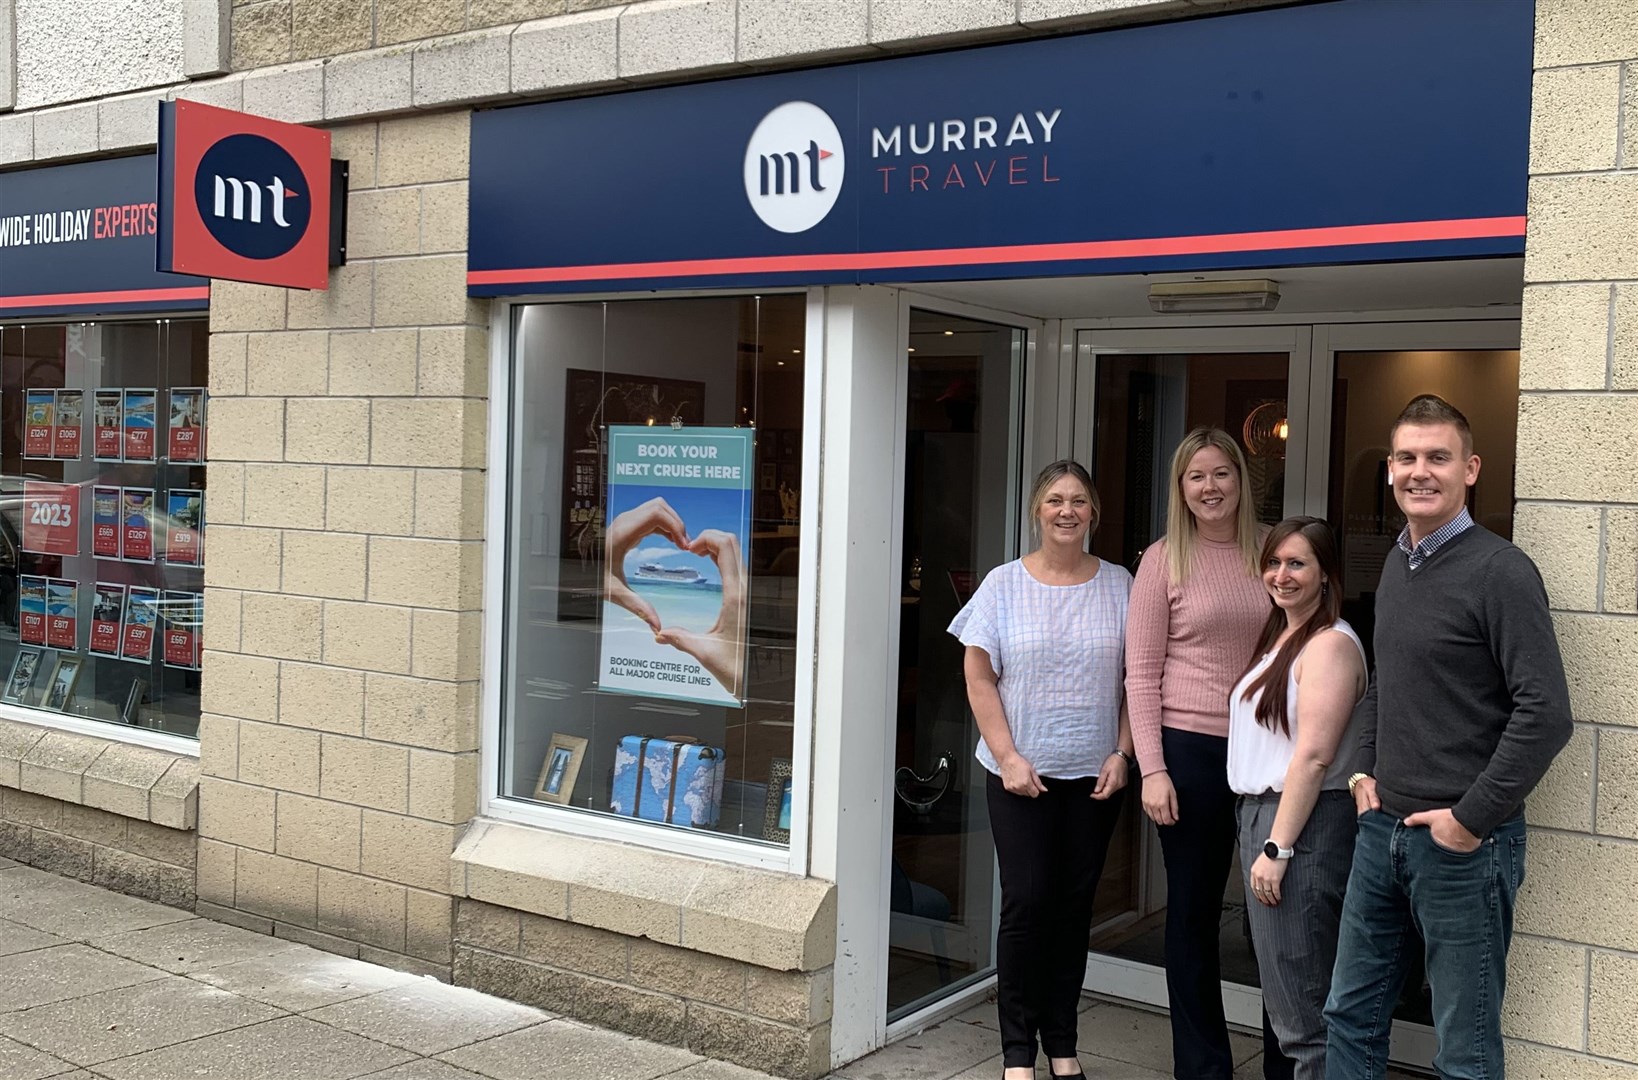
pixel 65 440
pixel 187 428
pixel 136 511
pixel 105 528
pixel 140 418
pixel 62 614
pixel 107 613
pixel 39 422
pixel 184 524
pixel 31 610
pixel 182 612
pixel 141 619
pixel 108 409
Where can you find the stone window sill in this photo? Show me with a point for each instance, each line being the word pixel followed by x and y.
pixel 132 781
pixel 762 917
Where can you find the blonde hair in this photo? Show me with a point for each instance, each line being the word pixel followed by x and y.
pixel 1051 475
pixel 1182 534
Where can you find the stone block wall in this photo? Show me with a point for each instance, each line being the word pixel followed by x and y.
pixel 340 735
pixel 1573 976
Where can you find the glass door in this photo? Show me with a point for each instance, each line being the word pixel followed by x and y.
pixel 962 387
pixel 1136 395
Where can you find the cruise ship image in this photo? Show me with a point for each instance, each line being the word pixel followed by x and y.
pixel 675 575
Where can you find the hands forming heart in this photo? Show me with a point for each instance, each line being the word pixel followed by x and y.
pixel 722 648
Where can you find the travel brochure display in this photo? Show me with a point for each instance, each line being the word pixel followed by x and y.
pixel 62 614
pixel 182 629
pixel 108 444
pixel 107 614
pixel 31 610
pixel 39 422
pixel 140 417
pixel 105 522
pixel 136 534
pixel 141 619
pixel 50 526
pixel 674 601
pixel 187 424
pixel 184 536
pixel 65 439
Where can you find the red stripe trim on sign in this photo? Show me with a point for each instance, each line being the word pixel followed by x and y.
pixel 1400 232
pixel 121 296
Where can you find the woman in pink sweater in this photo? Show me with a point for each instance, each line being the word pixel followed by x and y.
pixel 1197 607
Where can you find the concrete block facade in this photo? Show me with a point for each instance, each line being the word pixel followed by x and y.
pixel 338 776
pixel 1573 958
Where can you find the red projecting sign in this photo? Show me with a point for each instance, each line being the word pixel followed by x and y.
pixel 243 197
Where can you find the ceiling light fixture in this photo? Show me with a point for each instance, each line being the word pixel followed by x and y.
pixel 1184 297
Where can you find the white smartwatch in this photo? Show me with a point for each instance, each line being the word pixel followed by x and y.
pixel 1275 851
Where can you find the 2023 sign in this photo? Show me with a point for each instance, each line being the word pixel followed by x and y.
pixel 50 526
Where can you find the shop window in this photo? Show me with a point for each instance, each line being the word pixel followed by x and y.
pixel 102 520
pixel 652 553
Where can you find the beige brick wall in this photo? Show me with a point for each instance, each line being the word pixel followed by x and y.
pixel 128 855
pixel 339 746
pixel 1573 978
pixel 279 31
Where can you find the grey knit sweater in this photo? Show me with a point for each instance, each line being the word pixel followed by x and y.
pixel 1468 704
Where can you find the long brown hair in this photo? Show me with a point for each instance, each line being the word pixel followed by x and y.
pixel 1271 711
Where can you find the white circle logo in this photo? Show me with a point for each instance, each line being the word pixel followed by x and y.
pixel 794 167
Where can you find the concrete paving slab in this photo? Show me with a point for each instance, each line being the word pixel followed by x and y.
pixel 585 1053
pixel 120 1023
pixel 1143 1038
pixel 16 938
pixel 195 945
pixel 73 909
pixel 277 1050
pixel 715 1070
pixel 429 1017
pixel 19 1062
pixel 298 982
pixel 427 1069
pixel 47 975
pixel 938 1053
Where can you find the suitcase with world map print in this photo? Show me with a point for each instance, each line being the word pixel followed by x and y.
pixel 668 780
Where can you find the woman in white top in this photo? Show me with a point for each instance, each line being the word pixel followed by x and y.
pixel 1045 639
pixel 1288 716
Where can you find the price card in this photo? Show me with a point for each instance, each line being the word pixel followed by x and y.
pixel 39 422
pixel 31 610
pixel 108 442
pixel 50 525
pixel 105 528
pixel 107 616
pixel 141 619
pixel 182 629
pixel 139 417
pixel 136 524
pixel 184 518
pixel 187 424
pixel 62 614
pixel 65 444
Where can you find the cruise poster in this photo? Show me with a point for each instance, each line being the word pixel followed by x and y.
pixel 675 578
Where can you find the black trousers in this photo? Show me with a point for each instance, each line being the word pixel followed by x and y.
pixel 1050 850
pixel 1199 852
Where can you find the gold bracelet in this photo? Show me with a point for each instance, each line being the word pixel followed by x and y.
pixel 1353 781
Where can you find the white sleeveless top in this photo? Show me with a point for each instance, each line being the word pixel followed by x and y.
pixel 1257 757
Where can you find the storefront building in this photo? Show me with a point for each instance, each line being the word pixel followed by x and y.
pixel 575 567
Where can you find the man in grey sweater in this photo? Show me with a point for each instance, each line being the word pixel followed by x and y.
pixel 1467 708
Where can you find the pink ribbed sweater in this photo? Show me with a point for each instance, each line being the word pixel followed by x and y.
pixel 1186 647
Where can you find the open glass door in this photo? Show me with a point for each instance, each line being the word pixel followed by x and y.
pixel 962 388
pixel 1136 394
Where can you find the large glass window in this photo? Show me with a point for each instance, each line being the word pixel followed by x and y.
pixel 652 555
pixel 102 519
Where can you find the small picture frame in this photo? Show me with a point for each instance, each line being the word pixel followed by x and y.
pixel 564 755
pixel 131 711
pixel 25 673
pixel 60 688
pixel 776 818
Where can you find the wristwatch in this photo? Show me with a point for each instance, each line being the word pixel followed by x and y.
pixel 1275 851
pixel 1354 780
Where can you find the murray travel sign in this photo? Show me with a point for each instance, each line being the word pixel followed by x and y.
pixel 1343 132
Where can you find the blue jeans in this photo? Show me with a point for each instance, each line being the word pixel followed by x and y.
pixel 1463 906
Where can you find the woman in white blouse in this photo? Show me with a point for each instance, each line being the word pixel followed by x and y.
pixel 1288 716
pixel 1045 639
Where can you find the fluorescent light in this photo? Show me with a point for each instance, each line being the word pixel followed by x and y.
pixel 1177 297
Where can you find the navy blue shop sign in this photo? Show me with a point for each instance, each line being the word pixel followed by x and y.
pixel 1352 131
pixel 79 240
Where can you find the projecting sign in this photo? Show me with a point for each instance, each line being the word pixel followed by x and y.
pixel 243 197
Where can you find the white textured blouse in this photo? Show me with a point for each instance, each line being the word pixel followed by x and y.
pixel 1259 758
pixel 1059 653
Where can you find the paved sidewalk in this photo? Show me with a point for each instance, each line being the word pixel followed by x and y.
pixel 94 984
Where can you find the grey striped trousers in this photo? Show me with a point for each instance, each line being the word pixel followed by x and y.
pixel 1296 941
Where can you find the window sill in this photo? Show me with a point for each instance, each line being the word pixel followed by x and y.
pixel 107 774
pixel 769 919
